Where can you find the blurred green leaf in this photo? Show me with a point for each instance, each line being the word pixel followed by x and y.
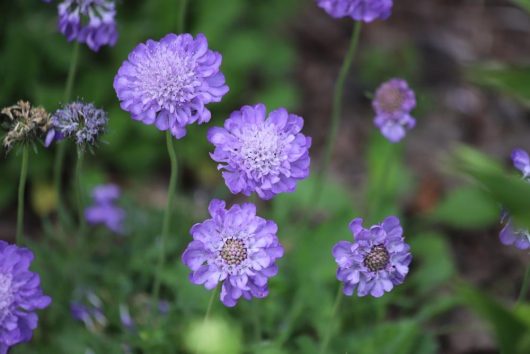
pixel 510 80
pixel 509 190
pixel 467 208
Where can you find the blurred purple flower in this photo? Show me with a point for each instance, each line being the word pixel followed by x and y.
pixel 168 83
pixel 359 10
pixel 81 121
pixel 234 247
pixel 511 235
pixel 104 211
pixel 392 103
pixel 20 296
pixel 377 261
pixel 89 310
pixel 88 21
pixel 125 317
pixel 266 155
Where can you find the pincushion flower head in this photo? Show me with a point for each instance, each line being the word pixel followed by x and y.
pixel 392 104
pixel 359 10
pixel 266 155
pixel 88 21
pixel 235 248
pixel 104 209
pixel 376 261
pixel 169 83
pixel 20 296
pixel 81 121
pixel 510 234
pixel 24 123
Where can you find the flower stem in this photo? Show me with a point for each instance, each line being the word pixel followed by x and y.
pixel 327 336
pixel 182 16
pixel 524 286
pixel 61 147
pixel 210 305
pixel 167 216
pixel 336 112
pixel 79 189
pixel 21 191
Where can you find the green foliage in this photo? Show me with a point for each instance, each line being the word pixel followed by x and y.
pixel 525 4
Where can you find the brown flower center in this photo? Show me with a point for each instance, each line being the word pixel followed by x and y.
pixel 233 251
pixel 377 259
pixel 391 99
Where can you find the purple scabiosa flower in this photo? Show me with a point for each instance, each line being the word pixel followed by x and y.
pixel 266 155
pixel 510 234
pixel 81 121
pixel 104 211
pixel 392 104
pixel 89 310
pixel 376 261
pixel 88 21
pixel 236 248
pixel 168 83
pixel 359 10
pixel 20 296
pixel 125 317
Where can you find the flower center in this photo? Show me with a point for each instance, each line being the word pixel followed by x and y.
pixel 6 294
pixel 377 258
pixel 261 150
pixel 233 251
pixel 390 99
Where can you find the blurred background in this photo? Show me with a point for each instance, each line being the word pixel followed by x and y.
pixel 469 64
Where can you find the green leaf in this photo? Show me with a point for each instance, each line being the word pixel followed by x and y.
pixel 509 329
pixel 509 80
pixel 467 208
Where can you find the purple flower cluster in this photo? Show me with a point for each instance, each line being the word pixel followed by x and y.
pixel 81 121
pixel 236 248
pixel 20 296
pixel 511 235
pixel 392 103
pixel 266 155
pixel 89 310
pixel 88 21
pixel 377 261
pixel 168 83
pixel 104 211
pixel 359 10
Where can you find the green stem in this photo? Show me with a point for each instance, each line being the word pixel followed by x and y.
pixel 336 112
pixel 182 16
pixel 79 189
pixel 257 323
pixel 61 147
pixel 379 189
pixel 524 287
pixel 210 305
pixel 167 216
pixel 327 336
pixel 21 192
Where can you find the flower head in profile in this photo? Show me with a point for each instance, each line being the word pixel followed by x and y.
pixel 259 153
pixel 104 210
pixel 376 261
pixel 82 122
pixel 359 10
pixel 20 296
pixel 88 21
pixel 510 233
pixel 23 123
pixel 235 248
pixel 169 83
pixel 392 104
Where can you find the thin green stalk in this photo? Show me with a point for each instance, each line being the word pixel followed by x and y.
pixel 167 216
pixel 79 189
pixel 61 147
pixel 257 322
pixel 384 174
pixel 336 112
pixel 21 192
pixel 327 336
pixel 182 16
pixel 210 305
pixel 524 287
